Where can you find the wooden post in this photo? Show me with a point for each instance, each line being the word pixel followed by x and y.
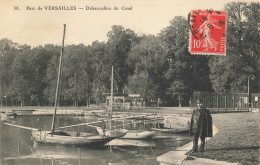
pixel 257 102
pixel 217 101
pixel 225 101
pixel 18 148
pixel 248 92
pixel 233 100
pixel 110 148
pixel 79 156
pixel 111 104
pixel 41 160
pixel 40 135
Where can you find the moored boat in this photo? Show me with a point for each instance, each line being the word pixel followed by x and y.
pixel 132 142
pixel 114 133
pixel 138 134
pixel 63 138
pixel 172 130
pixel 57 137
pixel 7 115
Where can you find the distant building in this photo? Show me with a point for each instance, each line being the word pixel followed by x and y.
pixel 125 101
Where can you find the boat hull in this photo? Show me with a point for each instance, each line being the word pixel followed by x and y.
pixel 172 130
pixel 45 137
pixel 135 134
pixel 116 133
pixel 131 142
pixel 8 115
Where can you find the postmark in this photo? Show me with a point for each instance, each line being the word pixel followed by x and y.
pixel 207 32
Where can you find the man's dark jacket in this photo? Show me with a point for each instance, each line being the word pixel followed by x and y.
pixel 201 122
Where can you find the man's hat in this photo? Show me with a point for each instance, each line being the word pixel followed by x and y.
pixel 199 101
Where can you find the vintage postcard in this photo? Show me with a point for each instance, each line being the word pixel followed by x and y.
pixel 123 82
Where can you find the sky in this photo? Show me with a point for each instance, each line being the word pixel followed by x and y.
pixel 39 27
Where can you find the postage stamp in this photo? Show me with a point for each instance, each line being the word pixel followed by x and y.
pixel 207 32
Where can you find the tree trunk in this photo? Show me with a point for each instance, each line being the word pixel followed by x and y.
pixel 75 103
pixel 179 98
pixel 87 103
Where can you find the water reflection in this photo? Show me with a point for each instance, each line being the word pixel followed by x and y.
pixel 57 155
pixel 17 147
pixel 67 155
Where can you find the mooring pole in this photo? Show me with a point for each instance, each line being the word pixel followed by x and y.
pixel 79 154
pixel 112 91
pixel 18 148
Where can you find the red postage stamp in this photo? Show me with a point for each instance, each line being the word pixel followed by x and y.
pixel 207 32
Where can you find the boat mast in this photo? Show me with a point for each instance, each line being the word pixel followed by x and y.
pixel 58 82
pixel 111 108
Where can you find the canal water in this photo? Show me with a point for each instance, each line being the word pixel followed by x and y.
pixel 18 148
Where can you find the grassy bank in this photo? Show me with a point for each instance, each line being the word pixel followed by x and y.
pixel 237 140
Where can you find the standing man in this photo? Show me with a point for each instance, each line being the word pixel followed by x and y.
pixel 201 126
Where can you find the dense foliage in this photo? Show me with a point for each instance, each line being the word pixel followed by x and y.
pixel 152 66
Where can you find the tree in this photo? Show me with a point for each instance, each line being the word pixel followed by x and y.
pixel 77 74
pixel 146 59
pixel 230 73
pixel 8 52
pixel 101 70
pixel 175 45
pixel 20 86
pixel 51 73
pixel 37 60
pixel 119 44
